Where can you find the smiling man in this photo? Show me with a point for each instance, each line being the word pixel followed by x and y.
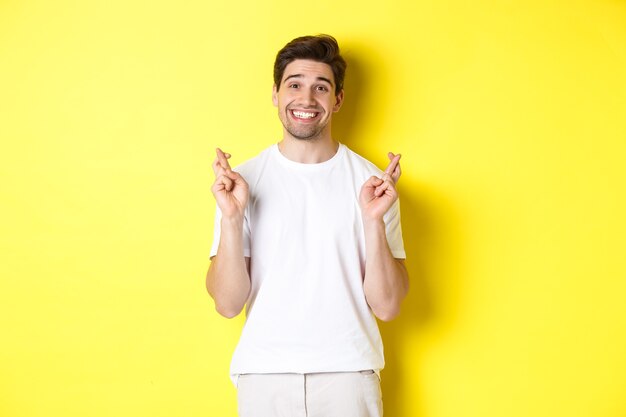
pixel 308 238
pixel 306 114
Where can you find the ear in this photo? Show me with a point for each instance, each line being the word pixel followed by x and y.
pixel 339 102
pixel 275 96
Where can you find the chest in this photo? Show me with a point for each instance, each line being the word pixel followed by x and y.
pixel 321 203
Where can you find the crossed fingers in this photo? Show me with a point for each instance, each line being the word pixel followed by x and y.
pixel 220 164
pixel 225 177
pixel 390 176
pixel 393 169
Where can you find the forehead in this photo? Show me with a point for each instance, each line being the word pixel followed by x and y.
pixel 306 68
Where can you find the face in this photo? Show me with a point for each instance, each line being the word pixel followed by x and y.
pixel 306 99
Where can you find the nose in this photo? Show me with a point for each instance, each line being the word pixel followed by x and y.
pixel 307 98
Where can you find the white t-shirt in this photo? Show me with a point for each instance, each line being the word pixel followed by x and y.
pixel 304 235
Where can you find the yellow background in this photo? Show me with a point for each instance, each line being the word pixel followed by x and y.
pixel 511 118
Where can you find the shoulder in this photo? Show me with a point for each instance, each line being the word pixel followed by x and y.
pixel 255 164
pixel 360 164
pixel 254 168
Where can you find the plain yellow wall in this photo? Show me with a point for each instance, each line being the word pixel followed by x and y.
pixel 511 118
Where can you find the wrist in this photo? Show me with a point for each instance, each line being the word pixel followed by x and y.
pixel 373 224
pixel 232 221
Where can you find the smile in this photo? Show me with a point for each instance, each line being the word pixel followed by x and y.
pixel 303 114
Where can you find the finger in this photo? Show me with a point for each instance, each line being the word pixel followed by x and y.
pixel 396 173
pixel 395 159
pixel 386 184
pixel 236 178
pixel 217 168
pixel 380 190
pixel 385 189
pixel 223 159
pixel 372 182
pixel 224 183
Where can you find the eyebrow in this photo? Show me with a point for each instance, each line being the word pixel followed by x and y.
pixel 301 76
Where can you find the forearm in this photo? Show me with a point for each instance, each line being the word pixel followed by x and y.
pixel 228 280
pixel 386 280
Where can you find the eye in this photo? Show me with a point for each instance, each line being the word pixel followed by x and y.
pixel 321 88
pixel 293 85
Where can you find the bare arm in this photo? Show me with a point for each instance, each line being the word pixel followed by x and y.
pixel 386 281
pixel 228 278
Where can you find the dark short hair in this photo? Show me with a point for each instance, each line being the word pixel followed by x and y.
pixel 320 48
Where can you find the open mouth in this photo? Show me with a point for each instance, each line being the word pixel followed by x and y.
pixel 304 115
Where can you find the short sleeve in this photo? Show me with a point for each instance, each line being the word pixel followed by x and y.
pixel 393 229
pixel 217 228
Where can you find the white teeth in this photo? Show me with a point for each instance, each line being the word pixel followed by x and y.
pixel 303 115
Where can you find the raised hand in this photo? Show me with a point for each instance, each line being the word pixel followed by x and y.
pixel 378 194
pixel 230 189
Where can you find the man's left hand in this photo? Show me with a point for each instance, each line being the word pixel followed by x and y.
pixel 378 194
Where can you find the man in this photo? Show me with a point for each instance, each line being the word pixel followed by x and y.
pixel 308 237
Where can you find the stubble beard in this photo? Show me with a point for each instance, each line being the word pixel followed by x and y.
pixel 308 133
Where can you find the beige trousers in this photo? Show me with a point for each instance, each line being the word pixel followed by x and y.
pixel 329 394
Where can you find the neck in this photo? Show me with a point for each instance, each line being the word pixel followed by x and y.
pixel 311 151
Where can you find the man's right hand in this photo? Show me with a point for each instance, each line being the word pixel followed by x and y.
pixel 230 189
